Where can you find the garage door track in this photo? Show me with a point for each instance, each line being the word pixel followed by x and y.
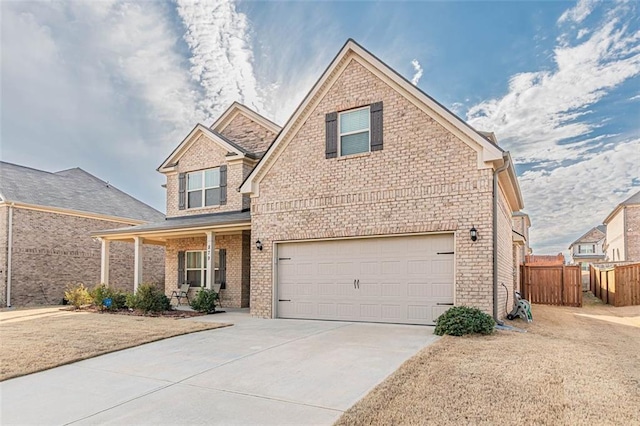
pixel 256 372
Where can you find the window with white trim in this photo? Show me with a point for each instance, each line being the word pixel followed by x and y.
pixel 586 248
pixel 196 267
pixel 203 188
pixel 354 131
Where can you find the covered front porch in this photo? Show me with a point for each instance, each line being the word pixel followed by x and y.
pixel 199 250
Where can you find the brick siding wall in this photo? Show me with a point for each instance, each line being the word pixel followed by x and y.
pixel 236 293
pixel 248 134
pixel 51 251
pixel 425 179
pixel 4 212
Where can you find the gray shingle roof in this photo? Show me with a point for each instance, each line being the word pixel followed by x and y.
pixel 634 199
pixel 213 219
pixel 72 189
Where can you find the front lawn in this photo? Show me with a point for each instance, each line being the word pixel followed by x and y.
pixel 574 366
pixel 34 342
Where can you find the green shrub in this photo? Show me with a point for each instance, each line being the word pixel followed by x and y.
pixel 205 301
pixel 102 292
pixel 461 320
pixel 77 295
pixel 148 298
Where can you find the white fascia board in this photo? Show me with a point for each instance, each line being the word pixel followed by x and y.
pixel 188 141
pixel 487 151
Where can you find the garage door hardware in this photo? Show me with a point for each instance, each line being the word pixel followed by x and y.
pixel 446 252
pixel 444 304
pixel 356 283
pixel 284 258
pixel 284 300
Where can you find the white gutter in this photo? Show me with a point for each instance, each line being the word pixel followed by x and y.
pixel 9 250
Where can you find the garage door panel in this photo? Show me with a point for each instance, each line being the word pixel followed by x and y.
pixel 401 279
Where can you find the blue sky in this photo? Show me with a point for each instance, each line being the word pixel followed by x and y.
pixel 112 87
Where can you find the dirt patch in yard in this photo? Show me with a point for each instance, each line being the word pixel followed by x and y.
pixel 573 366
pixel 39 341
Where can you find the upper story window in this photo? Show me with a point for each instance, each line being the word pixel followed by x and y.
pixel 202 188
pixel 354 131
pixel 355 136
pixel 586 248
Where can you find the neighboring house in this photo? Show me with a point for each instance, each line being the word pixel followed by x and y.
pixel 521 224
pixel 587 250
pixel 622 242
pixel 372 203
pixel 46 221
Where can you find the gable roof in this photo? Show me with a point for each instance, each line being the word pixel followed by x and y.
pixel 601 230
pixel 631 201
pixel 237 108
pixel 486 149
pixel 193 135
pixel 72 189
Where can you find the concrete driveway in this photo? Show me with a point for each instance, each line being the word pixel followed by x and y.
pixel 256 372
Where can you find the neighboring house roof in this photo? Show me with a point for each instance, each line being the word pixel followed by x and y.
pixel 72 189
pixel 523 215
pixel 631 201
pixel 487 150
pixel 184 222
pixel 593 235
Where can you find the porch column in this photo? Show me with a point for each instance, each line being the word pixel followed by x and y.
pixel 104 263
pixel 211 244
pixel 137 268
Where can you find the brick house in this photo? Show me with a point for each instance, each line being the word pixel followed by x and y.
pixel 372 203
pixel 588 249
pixel 622 241
pixel 46 220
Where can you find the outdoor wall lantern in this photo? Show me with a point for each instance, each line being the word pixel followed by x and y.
pixel 259 245
pixel 473 232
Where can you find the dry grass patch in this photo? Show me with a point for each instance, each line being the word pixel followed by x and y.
pixel 574 366
pixel 38 342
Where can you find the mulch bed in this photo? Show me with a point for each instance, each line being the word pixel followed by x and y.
pixel 175 314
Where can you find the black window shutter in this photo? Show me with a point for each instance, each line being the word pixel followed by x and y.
pixel 223 268
pixel 331 144
pixel 181 273
pixel 223 185
pixel 376 126
pixel 182 186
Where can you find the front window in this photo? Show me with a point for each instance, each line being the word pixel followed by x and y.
pixel 586 249
pixel 196 268
pixel 203 188
pixel 355 136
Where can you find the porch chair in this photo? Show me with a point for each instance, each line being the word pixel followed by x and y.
pixel 216 288
pixel 183 291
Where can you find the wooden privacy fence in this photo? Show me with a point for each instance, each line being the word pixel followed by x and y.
pixel 552 285
pixel 617 285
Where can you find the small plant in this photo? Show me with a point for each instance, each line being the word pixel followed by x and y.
pixel 461 320
pixel 101 293
pixel 205 301
pixel 148 298
pixel 78 295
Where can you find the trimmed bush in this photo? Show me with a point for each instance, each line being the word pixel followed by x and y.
pixel 461 320
pixel 148 298
pixel 78 295
pixel 205 301
pixel 102 292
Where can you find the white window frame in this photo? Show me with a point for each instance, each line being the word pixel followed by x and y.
pixel 203 188
pixel 586 249
pixel 203 262
pixel 340 134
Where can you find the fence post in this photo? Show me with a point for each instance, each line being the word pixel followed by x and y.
pixel 562 281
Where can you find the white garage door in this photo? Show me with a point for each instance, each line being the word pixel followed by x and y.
pixel 406 280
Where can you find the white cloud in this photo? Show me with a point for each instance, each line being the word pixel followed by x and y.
pixel 544 108
pixel 546 118
pixel 418 72
pixel 578 13
pixel 221 57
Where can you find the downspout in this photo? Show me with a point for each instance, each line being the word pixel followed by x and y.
pixel 505 166
pixel 9 250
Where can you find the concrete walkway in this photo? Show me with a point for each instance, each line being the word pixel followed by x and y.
pixel 256 372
